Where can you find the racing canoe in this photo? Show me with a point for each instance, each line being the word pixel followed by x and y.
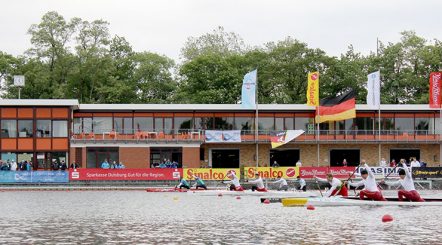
pixel 353 201
pixel 254 193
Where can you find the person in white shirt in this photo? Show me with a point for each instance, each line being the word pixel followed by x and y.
pixel 415 163
pixel 283 186
pixel 383 163
pixel 13 166
pixel 298 163
pixel 370 190
pixel 337 187
pixel 407 183
pixel 258 183
pixel 302 184
pixel 234 181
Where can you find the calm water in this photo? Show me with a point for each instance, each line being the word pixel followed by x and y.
pixel 137 217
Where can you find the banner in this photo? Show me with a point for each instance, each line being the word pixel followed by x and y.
pixel 321 172
pixel 428 172
pixel 217 136
pixel 209 173
pixel 271 173
pixel 125 174
pixel 374 90
pixel 34 177
pixel 248 91
pixel 381 172
pixel 284 137
pixel 435 89
pixel 313 89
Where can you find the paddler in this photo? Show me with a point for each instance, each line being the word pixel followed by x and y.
pixel 258 183
pixel 302 184
pixel 408 193
pixel 370 190
pixel 283 186
pixel 183 184
pixel 234 182
pixel 337 186
pixel 199 182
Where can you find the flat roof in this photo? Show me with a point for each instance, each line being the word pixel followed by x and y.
pixel 39 102
pixel 237 107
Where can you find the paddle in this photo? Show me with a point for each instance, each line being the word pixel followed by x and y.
pixel 356 169
pixel 389 174
pixel 320 191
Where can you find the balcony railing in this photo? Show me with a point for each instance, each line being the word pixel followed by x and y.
pixel 263 136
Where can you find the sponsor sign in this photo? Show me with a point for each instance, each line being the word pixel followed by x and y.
pixel 381 172
pixel 321 172
pixel 429 172
pixel 124 174
pixel 271 173
pixel 209 173
pixel 223 136
pixel 34 177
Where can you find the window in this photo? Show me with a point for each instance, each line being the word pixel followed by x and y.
pixel 77 125
pixel 404 125
pixel 266 123
pixel 25 128
pixel 289 123
pixel 305 123
pixel 204 123
pixel 364 125
pixel 128 128
pixel 9 129
pixel 102 124
pixel 60 128
pixel 245 124
pixel 225 123
pixel 143 123
pixel 387 125
pixel 87 125
pixel 118 124
pixel 279 123
pixel 43 128
pixel 183 124
pixel 168 123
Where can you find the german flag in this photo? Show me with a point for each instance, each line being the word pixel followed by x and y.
pixel 337 108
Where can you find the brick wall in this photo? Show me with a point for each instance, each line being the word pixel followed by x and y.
pixel 191 157
pixel 135 157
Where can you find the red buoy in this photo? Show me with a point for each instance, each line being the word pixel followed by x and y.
pixel 310 207
pixel 238 197
pixel 266 201
pixel 387 218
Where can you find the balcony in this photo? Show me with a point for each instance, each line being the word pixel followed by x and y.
pixel 248 136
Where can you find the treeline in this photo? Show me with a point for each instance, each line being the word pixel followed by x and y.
pixel 81 60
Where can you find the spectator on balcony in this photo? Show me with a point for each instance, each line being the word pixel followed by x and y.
pixel 113 165
pixel 344 162
pixel 74 165
pixel 393 163
pixel 105 164
pixel 299 163
pixel 383 163
pixel 13 166
pixel 54 166
pixel 275 164
pixel 168 163
pixel 28 166
pixel 174 164
pixel 162 165
pixel 63 165
pixel 415 163
pixel 119 165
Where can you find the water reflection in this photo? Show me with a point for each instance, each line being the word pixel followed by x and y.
pixel 138 217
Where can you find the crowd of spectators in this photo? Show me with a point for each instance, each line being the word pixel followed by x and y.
pixel 9 165
pixel 114 165
pixel 166 163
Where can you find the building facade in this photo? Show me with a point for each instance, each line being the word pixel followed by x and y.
pixel 144 135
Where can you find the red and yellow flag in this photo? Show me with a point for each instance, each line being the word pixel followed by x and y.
pixel 313 89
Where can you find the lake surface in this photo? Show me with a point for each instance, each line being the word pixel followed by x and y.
pixel 138 217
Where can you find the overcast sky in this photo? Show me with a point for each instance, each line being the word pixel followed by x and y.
pixel 163 26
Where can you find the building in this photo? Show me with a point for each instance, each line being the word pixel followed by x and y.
pixel 143 135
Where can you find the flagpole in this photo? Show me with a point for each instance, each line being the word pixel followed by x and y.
pixel 317 135
pixel 256 120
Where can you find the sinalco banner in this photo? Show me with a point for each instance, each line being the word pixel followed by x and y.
pixel 271 172
pixel 209 173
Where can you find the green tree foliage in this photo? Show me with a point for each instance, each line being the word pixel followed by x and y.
pixel 79 59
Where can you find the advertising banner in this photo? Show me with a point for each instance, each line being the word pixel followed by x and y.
pixel 271 173
pixel 34 177
pixel 381 172
pixel 125 174
pixel 430 172
pixel 321 172
pixel 209 173
pixel 214 136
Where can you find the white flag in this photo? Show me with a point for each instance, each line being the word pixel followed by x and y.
pixel 374 90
